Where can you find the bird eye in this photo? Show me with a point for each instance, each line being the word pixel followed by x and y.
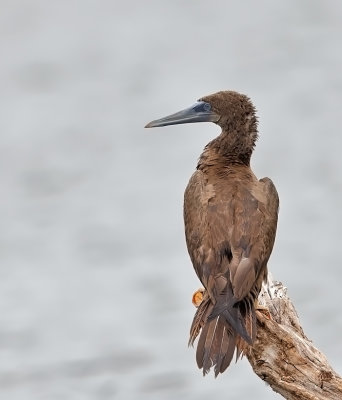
pixel 202 106
pixel 206 107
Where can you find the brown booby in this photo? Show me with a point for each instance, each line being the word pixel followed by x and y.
pixel 230 225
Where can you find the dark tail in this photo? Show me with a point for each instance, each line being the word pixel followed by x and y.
pixel 223 329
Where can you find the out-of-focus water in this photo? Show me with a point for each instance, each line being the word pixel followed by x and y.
pixel 95 281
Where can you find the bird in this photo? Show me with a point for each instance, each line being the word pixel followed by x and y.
pixel 230 219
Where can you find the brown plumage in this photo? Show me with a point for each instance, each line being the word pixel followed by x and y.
pixel 230 225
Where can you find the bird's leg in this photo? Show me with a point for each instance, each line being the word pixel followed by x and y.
pixel 197 297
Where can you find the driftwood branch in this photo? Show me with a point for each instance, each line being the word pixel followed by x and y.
pixel 284 357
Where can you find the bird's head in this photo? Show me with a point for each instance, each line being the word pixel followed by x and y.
pixel 228 109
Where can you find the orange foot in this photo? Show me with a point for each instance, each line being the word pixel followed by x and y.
pixel 197 297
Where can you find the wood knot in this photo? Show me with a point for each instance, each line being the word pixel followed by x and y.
pixel 260 362
pixel 325 376
pixel 288 378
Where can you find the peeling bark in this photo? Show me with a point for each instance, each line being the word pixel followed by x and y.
pixel 284 357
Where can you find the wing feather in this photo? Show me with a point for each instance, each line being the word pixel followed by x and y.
pixel 230 228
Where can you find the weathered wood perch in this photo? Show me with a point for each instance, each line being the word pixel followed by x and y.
pixel 285 358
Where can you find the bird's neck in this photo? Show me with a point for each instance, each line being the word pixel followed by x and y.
pixel 228 149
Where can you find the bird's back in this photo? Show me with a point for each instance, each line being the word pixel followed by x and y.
pixel 230 222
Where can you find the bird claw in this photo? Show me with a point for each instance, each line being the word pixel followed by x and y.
pixel 197 297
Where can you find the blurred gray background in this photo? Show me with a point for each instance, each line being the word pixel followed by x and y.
pixel 96 282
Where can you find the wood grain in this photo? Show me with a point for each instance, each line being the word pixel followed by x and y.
pixel 284 357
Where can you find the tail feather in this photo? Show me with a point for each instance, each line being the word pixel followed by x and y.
pixel 208 350
pixel 200 318
pixel 235 320
pixel 226 352
pixel 201 347
pixel 234 313
pixel 252 322
pixel 248 314
pixel 216 346
pixel 233 328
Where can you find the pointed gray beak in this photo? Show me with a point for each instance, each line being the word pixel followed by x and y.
pixel 198 112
